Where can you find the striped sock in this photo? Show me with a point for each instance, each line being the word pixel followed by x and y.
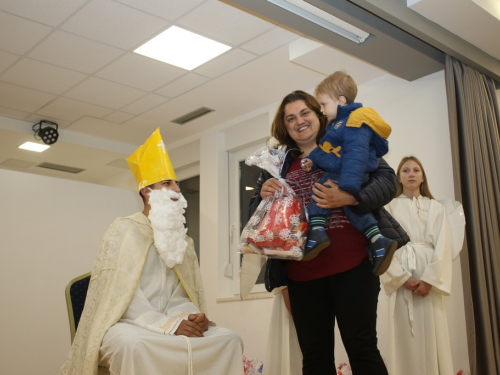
pixel 373 234
pixel 317 222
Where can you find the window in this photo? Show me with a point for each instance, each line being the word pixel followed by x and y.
pixel 242 180
pixel 248 177
pixel 190 188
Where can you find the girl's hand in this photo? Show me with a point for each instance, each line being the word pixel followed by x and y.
pixel 269 187
pixel 421 288
pixel 409 284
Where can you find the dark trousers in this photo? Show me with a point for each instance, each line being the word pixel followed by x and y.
pixel 350 297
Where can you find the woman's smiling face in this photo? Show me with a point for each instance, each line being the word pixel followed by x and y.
pixel 302 123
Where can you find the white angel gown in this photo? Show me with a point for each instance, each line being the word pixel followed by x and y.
pixel 418 330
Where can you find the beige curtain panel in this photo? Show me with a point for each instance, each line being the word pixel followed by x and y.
pixel 474 130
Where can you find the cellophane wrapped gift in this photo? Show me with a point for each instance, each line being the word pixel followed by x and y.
pixel 278 227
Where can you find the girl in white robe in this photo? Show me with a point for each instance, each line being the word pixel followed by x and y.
pixel 419 279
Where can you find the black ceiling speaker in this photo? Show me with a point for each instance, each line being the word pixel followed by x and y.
pixel 46 131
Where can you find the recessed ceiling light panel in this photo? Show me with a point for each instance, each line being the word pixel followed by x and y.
pixel 182 48
pixel 32 146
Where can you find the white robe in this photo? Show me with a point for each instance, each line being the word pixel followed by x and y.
pixel 418 330
pixel 283 355
pixel 143 341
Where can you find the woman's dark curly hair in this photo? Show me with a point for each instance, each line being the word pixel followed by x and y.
pixel 278 128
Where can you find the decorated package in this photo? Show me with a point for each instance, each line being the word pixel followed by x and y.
pixel 278 227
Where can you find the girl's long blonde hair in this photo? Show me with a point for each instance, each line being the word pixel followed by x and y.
pixel 424 186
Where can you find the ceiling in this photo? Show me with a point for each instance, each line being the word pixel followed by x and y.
pixel 72 62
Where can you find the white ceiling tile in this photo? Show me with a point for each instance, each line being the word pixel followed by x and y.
pixel 270 41
pixel 73 52
pixel 97 127
pixel 118 117
pixel 140 72
pixel 112 23
pixel 104 93
pixel 22 99
pixel 6 60
pixel 327 60
pixel 225 63
pixel 49 12
pixel 224 23
pixel 71 110
pixel 18 35
pixel 37 118
pixel 169 10
pixel 41 76
pixel 144 104
pixel 8 112
pixel 182 85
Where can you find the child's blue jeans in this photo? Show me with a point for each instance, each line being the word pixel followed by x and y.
pixel 361 222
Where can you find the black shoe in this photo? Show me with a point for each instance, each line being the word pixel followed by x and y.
pixel 381 252
pixel 316 242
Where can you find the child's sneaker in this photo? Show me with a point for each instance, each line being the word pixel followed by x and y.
pixel 382 252
pixel 317 241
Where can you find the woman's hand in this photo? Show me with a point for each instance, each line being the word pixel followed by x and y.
pixel 421 288
pixel 269 187
pixel 330 196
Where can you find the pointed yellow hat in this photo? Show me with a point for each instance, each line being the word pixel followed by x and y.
pixel 150 162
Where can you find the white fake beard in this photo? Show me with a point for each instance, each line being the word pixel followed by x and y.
pixel 167 219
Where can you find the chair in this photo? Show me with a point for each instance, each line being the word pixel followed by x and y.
pixel 76 292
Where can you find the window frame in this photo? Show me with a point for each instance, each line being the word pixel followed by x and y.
pixel 234 173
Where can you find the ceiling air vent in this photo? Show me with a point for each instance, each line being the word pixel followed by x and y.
pixel 58 167
pixel 192 115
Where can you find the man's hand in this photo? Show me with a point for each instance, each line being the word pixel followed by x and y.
pixel 330 196
pixel 194 326
pixel 201 319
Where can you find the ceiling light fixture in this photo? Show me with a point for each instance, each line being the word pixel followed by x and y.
pixel 46 131
pixel 182 48
pixel 323 19
pixel 32 146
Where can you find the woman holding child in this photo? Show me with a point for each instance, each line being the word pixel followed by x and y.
pixel 338 284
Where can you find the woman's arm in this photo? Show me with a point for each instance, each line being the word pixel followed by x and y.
pixel 376 193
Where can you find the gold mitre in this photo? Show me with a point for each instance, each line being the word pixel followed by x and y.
pixel 150 162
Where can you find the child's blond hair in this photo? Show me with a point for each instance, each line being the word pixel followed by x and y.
pixel 338 84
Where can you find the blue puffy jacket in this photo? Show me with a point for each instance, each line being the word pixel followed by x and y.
pixel 351 145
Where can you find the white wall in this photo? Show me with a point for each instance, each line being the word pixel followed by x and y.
pixel 51 229
pixel 50 233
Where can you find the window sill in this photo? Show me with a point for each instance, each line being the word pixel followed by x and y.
pixel 249 297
